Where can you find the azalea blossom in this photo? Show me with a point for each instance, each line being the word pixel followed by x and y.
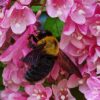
pixel 2 36
pixel 22 49
pixel 94 25
pixel 93 60
pixel 19 23
pixel 80 41
pixel 78 11
pixel 55 71
pixel 59 8
pixel 38 92
pixel 73 81
pixel 77 45
pixel 4 3
pixel 61 91
pixel 25 2
pixel 79 15
pixel 14 72
pixel 82 10
pixel 91 88
pixel 8 94
pixel 13 76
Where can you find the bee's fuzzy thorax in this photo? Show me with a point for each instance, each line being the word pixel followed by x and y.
pixel 51 45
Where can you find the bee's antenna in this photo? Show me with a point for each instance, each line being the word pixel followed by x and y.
pixel 32 41
pixel 43 33
pixel 32 37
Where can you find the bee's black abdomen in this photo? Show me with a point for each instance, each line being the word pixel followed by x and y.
pixel 41 69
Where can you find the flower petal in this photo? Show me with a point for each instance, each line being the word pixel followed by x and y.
pixel 78 18
pixel 69 27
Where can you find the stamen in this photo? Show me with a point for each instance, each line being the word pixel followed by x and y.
pixel 63 97
pixel 0 33
pixel 81 12
pixel 17 25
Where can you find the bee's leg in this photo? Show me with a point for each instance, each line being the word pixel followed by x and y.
pixel 31 45
pixel 32 41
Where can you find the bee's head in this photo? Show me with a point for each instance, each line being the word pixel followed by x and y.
pixel 51 45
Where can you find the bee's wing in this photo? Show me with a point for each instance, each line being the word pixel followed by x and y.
pixel 33 57
pixel 67 64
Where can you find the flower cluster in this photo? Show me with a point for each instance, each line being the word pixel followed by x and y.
pixel 80 41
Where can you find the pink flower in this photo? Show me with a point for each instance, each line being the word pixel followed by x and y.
pixel 69 28
pixel 2 36
pixel 91 88
pixel 93 59
pixel 38 92
pixel 79 11
pixel 16 51
pixel 55 71
pixel 79 21
pixel 98 67
pixel 61 91
pixel 82 10
pixel 25 2
pixel 8 94
pixel 77 45
pixel 24 18
pixel 77 16
pixel 94 25
pixel 13 76
pixel 4 2
pixel 2 13
pixel 73 81
pixel 82 49
pixel 59 8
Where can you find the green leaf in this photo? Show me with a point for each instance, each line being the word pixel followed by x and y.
pixel 55 26
pixel 1 83
pixel 1 70
pixel 37 8
pixel 77 94
pixel 1 64
pixel 1 87
pixel 21 88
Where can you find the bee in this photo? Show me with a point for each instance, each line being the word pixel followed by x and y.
pixel 43 55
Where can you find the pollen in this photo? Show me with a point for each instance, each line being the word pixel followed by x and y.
pixel 0 33
pixel 38 97
pixel 81 81
pixel 81 12
pixel 17 25
pixel 79 37
pixel 63 97
pixel 1 14
pixel 34 94
pixel 36 91
pixel 98 69
pixel 98 28
pixel 59 12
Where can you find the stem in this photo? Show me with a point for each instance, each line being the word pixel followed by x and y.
pixel 41 9
pixel 38 3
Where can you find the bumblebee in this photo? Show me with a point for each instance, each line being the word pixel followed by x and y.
pixel 43 56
